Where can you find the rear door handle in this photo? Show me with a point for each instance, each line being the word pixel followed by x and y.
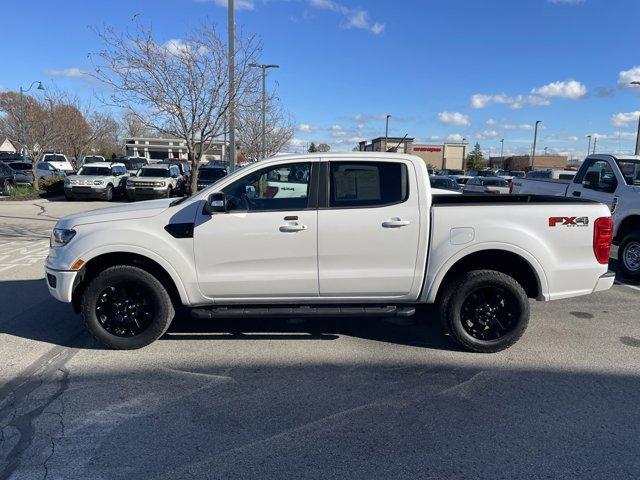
pixel 395 223
pixel 576 194
pixel 292 227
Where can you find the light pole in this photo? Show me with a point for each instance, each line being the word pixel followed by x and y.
pixel 231 19
pixel 264 67
pixel 22 112
pixel 386 132
pixel 589 147
pixel 595 142
pixel 535 138
pixel 637 152
pixel 501 149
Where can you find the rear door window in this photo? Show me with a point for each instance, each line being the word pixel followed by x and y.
pixel 367 184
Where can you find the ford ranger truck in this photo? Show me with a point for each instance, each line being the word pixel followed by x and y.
pixel 613 180
pixel 349 234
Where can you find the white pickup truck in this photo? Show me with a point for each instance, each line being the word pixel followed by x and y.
pixel 609 179
pixel 363 235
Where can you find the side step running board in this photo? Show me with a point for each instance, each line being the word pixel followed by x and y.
pixel 304 311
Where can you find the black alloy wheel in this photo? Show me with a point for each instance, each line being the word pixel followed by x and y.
pixel 124 309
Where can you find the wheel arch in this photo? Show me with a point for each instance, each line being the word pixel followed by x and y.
pixel 98 263
pixel 508 259
pixel 628 225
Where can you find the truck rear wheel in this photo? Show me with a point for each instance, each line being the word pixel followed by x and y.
pixel 126 307
pixel 629 256
pixel 486 311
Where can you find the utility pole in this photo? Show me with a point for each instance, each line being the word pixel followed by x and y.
pixel 264 68
pixel 589 147
pixel 637 152
pixel 535 138
pixel 231 19
pixel 386 133
pixel 595 142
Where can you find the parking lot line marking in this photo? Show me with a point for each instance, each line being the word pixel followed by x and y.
pixel 635 287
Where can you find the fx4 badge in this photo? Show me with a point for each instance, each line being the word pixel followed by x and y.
pixel 569 221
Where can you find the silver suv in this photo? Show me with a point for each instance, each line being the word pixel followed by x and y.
pixel 102 180
pixel 155 181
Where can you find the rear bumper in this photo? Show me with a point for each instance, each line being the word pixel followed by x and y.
pixel 605 282
pixel 60 283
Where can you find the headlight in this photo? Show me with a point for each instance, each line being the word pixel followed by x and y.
pixel 131 185
pixel 98 182
pixel 61 236
pixel 160 184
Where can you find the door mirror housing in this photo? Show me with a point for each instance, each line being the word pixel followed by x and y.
pixel 216 203
pixel 591 180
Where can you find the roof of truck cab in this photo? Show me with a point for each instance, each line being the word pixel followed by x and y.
pixel 341 155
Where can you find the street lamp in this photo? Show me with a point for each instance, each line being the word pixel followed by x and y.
pixel 589 146
pixel 638 134
pixel 264 68
pixel 386 133
pixel 535 138
pixel 231 61
pixel 22 112
pixel 501 149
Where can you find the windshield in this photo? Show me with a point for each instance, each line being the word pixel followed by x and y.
pixel 211 174
pixel 495 182
pixel 100 171
pixel 443 183
pixel 93 159
pixel 154 172
pixel 54 158
pixel 133 164
pixel 503 173
pixel 455 172
pixel 630 170
pixel 20 166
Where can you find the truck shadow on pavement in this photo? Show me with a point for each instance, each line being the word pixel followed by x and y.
pixel 29 312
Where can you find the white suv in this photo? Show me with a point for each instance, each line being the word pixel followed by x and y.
pixel 155 181
pixel 101 180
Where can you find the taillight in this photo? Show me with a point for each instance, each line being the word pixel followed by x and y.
pixel 602 238
pixel 270 192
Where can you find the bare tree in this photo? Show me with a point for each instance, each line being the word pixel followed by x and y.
pixel 177 88
pixel 278 129
pixel 132 126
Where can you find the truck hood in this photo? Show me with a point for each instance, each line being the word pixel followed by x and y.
pixel 131 211
pixel 149 179
pixel 85 179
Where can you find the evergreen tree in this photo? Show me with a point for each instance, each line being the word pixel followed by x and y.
pixel 475 160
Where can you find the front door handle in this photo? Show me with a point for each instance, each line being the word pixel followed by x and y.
pixel 395 223
pixel 576 194
pixel 292 227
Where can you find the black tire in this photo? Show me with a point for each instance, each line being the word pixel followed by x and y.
pixel 629 256
pixel 119 331
pixel 68 198
pixel 108 195
pixel 485 311
pixel 169 192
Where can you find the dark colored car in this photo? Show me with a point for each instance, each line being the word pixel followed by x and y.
pixel 12 157
pixel 445 183
pixel 210 174
pixel 22 173
pixel 7 181
pixel 133 164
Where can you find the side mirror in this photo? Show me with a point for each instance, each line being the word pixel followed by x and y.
pixel 216 203
pixel 591 180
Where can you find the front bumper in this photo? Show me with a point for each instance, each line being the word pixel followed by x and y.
pixel 605 282
pixel 147 193
pixel 94 192
pixel 60 283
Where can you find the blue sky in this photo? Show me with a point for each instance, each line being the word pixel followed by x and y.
pixel 482 70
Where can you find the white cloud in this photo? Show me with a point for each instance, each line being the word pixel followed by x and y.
pixel 239 4
pixel 490 122
pixel 305 127
pixel 67 72
pixel 454 118
pixel 521 126
pixel 482 100
pixel 622 119
pixel 625 77
pixel 567 2
pixel 487 134
pixel 353 18
pixel 571 89
pixel 455 138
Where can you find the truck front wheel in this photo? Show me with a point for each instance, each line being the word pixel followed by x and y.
pixel 629 256
pixel 126 307
pixel 486 311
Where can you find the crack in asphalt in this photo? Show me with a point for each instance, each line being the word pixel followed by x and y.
pixel 20 390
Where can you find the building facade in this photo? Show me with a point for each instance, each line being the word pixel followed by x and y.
pixel 438 156
pixel 523 162
pixel 161 148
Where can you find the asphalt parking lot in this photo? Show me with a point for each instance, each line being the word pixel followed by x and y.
pixel 356 398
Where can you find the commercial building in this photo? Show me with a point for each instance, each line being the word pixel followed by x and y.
pixel 161 148
pixel 438 156
pixel 523 162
